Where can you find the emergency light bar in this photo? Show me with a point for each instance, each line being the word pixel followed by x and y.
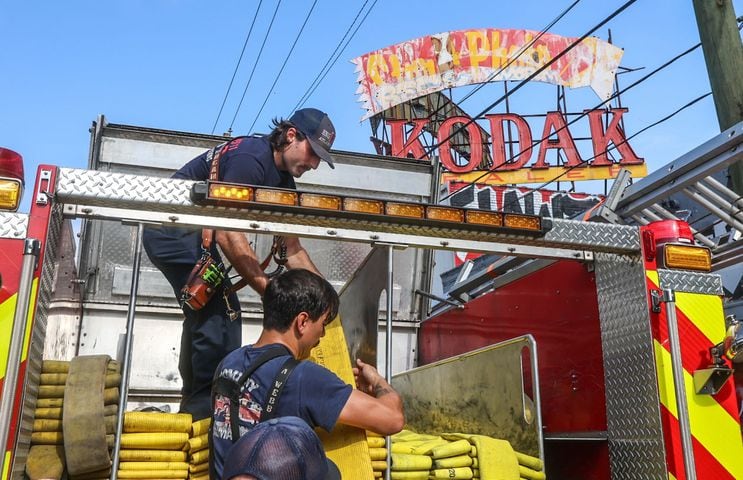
pixel 365 209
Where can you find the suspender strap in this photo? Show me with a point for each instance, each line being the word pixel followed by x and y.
pixel 272 400
pixel 231 389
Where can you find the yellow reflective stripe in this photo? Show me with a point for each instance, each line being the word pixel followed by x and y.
pixel 7 309
pixel 29 319
pixel 653 276
pixel 670 476
pixel 711 424
pixel 6 465
pixel 705 311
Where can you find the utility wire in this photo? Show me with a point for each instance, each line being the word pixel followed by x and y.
pixel 530 77
pixel 599 105
pixel 283 66
pixel 302 98
pixel 516 56
pixel 255 64
pixel 339 53
pixel 245 44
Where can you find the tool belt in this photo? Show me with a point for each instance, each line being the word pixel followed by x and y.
pixel 205 279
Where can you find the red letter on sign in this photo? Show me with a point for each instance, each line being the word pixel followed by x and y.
pixel 613 134
pixel 564 140
pixel 412 148
pixel 473 130
pixel 497 122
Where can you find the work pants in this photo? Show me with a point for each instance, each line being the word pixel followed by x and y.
pixel 208 334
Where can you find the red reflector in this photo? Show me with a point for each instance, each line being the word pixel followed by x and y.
pixel 666 231
pixel 11 164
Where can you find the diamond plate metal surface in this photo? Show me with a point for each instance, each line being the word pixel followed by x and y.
pixel 140 194
pixel 635 433
pixel 690 282
pixel 13 225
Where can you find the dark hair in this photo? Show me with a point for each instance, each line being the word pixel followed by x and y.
pixel 294 291
pixel 277 137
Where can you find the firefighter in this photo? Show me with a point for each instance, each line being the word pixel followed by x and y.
pixel 209 333
pixel 269 379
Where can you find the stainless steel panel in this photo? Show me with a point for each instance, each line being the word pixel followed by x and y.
pixel 13 225
pixel 479 392
pixel 636 447
pixel 690 282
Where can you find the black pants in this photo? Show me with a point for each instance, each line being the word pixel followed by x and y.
pixel 208 334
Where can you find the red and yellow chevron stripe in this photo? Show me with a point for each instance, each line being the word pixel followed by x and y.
pixel 715 426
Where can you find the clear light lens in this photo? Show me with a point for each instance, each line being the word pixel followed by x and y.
pixel 326 202
pixel 524 222
pixel 363 206
pixel 404 210
pixel 688 257
pixel 447 214
pixel 10 194
pixel 278 197
pixel 479 217
pixel 224 191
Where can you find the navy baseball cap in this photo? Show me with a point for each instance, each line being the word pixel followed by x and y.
pixel 283 448
pixel 318 129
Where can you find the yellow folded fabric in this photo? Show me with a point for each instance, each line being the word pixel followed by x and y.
pixel 459 447
pixel 47 425
pixel 152 456
pixel 464 473
pixel 153 466
pixel 47 438
pixel 530 474
pixel 49 403
pixel 409 475
pixel 377 453
pixel 375 442
pixel 147 474
pixel 201 476
pixel 408 462
pixel 154 441
pixel 200 457
pixel 139 422
pixel 198 443
pixel 427 447
pixel 496 459
pixel 379 465
pixel 201 467
pixel 453 462
pixel 528 461
pixel 200 427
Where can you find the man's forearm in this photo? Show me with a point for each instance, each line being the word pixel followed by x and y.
pixel 241 256
pixel 297 256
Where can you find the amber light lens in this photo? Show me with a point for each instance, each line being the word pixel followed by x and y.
pixel 230 192
pixel 326 202
pixel 688 257
pixel 523 222
pixel 404 210
pixel 363 206
pixel 278 197
pixel 10 194
pixel 477 217
pixel 446 214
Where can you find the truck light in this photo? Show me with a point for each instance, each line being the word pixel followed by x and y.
pixel 362 205
pixel 230 192
pixel 278 197
pixel 526 222
pixel 477 217
pixel 446 214
pixel 10 194
pixel 404 210
pixel 324 202
pixel 687 257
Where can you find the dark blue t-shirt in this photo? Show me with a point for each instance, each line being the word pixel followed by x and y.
pixel 248 160
pixel 312 393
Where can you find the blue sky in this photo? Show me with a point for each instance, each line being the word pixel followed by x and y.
pixel 167 63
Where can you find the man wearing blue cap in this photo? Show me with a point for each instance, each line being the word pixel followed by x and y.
pixel 291 149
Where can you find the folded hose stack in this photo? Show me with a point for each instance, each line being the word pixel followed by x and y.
pixel 198 450
pixel 416 456
pixel 71 395
pixel 154 445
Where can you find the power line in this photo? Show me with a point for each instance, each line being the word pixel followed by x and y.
pixel 283 65
pixel 532 76
pixel 245 44
pixel 339 53
pixel 255 64
pixel 331 56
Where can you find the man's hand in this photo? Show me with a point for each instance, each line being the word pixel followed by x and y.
pixel 375 405
pixel 368 380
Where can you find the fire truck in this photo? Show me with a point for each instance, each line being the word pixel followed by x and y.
pixel 599 345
